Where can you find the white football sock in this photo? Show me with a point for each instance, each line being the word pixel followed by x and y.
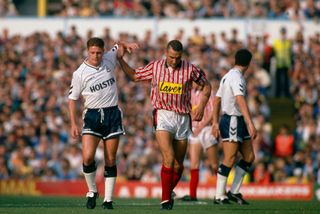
pixel 91 181
pixel 237 181
pixel 109 184
pixel 221 186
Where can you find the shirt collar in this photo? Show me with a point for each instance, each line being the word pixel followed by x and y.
pixel 94 67
pixel 166 65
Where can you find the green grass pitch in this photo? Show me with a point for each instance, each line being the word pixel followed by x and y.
pixel 61 205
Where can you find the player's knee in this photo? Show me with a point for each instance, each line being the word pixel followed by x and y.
pixel 229 161
pixel 88 168
pixel 250 158
pixel 88 160
pixel 178 167
pixel 110 161
pixel 253 157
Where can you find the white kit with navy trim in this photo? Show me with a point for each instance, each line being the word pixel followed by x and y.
pixel 231 85
pixel 97 85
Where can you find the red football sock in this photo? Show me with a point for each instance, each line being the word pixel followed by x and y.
pixel 194 180
pixel 177 176
pixel 166 182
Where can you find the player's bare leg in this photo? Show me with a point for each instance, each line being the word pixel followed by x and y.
pixel 212 155
pixel 110 170
pixel 164 139
pixel 180 149
pixel 89 146
pixel 242 168
pixel 230 150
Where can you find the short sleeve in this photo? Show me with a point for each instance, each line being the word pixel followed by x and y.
pixel 238 86
pixel 75 87
pixel 219 92
pixel 111 56
pixel 145 73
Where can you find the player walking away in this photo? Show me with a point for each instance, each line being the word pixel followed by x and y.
pixel 171 80
pixel 201 141
pixel 236 129
pixel 95 81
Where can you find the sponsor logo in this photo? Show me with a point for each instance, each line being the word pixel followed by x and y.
pixel 102 85
pixel 170 88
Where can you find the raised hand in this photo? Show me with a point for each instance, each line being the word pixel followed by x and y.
pixel 129 47
pixel 126 47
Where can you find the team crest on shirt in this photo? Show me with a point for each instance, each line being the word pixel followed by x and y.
pixel 170 88
pixel 105 67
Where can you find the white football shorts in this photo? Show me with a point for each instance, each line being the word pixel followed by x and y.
pixel 177 124
pixel 205 138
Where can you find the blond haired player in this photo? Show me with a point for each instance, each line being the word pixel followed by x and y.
pixel 95 82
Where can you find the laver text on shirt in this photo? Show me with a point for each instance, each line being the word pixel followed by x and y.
pixel 170 88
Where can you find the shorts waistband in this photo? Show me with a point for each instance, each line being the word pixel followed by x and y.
pixel 179 113
pixel 227 115
pixel 104 108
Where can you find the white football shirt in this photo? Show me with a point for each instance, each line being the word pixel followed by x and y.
pixel 97 85
pixel 231 85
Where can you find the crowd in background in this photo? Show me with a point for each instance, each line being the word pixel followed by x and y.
pixel 36 71
pixel 35 77
pixel 273 9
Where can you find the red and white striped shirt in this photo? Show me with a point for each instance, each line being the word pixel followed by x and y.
pixel 171 89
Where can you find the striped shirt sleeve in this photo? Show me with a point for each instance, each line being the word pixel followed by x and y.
pixel 145 73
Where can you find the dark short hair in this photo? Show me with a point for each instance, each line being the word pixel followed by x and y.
pixel 243 57
pixel 283 29
pixel 176 45
pixel 95 41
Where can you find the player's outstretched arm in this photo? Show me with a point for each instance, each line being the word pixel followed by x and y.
pixel 130 72
pixel 123 48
